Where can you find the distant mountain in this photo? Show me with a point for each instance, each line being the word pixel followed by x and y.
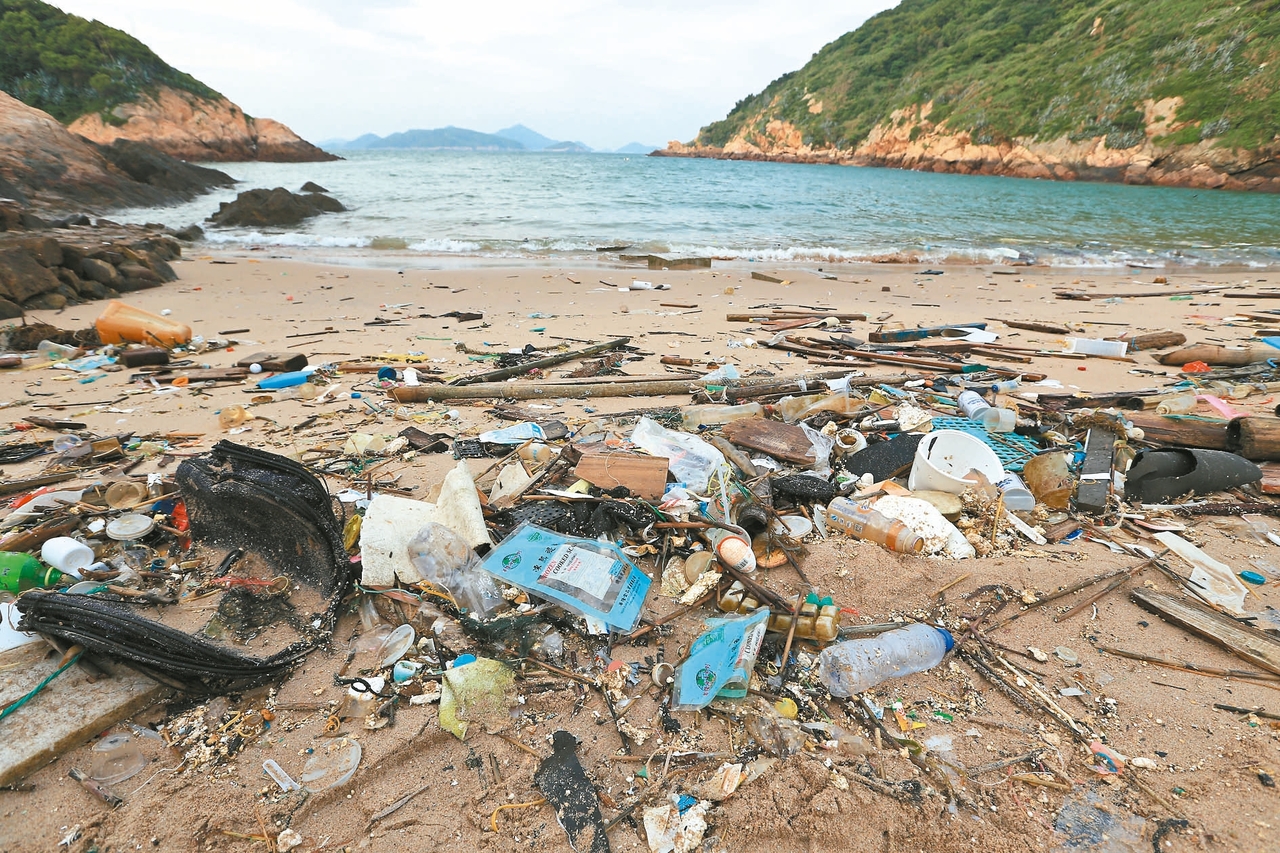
pixel 636 148
pixel 530 139
pixel 568 147
pixel 442 138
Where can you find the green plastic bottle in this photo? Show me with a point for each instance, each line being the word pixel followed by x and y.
pixel 21 572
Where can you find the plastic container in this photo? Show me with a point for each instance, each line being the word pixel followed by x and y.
pixel 50 351
pixel 114 759
pixel 332 764
pixel 1049 479
pixel 130 527
pixel 713 415
pixel 1004 386
pixel 286 380
pixel 818 619
pixel 281 778
pixel 1097 346
pixel 992 419
pixel 305 391
pixel 1017 497
pixel 858 665
pixel 850 440
pixel 861 521
pixel 21 572
pixel 231 417
pixel 944 457
pixel 125 493
pixel 732 549
pixel 67 555
pixel 444 558
pixel 124 324
pixel 1178 405
pixel 396 645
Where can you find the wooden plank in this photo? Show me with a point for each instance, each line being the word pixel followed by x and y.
pixel 645 476
pixel 1095 471
pixel 66 713
pixel 1257 647
pixel 771 279
pixel 781 441
pixel 276 362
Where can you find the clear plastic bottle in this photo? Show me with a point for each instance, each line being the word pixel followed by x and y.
pixel 973 407
pixel 861 521
pixel 857 665
pixel 1179 405
pixel 715 415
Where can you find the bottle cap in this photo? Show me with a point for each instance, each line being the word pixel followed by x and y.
pixel 949 640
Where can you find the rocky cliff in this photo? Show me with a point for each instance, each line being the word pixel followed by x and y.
pixel 190 126
pixel 1174 92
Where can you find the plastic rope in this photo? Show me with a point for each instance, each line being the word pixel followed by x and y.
pixel 41 686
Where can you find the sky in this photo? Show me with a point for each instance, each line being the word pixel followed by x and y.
pixel 602 72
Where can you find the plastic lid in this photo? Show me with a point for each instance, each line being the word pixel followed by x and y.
pixel 130 526
pixel 332 764
pixel 949 640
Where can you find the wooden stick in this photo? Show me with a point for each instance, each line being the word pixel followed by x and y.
pixel 550 361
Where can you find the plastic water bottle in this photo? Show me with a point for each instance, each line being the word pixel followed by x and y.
pixel 445 559
pixel 857 665
pixel 973 407
pixel 862 521
pixel 21 572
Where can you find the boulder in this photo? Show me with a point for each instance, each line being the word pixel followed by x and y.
pixel 69 278
pixel 9 310
pixel 100 271
pixel 10 215
pixel 111 256
pixel 190 234
pixel 277 207
pixel 44 249
pixel 46 302
pixel 138 271
pixel 72 255
pixel 22 276
pixel 312 187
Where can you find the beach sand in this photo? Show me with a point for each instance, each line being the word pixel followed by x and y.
pixel 1208 759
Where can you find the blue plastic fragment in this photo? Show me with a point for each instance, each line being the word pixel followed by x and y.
pixel 1011 449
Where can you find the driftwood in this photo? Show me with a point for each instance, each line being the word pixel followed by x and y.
pixel 1244 641
pixel 1256 438
pixel 550 361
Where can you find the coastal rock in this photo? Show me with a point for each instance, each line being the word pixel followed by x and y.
pixel 277 207
pixel 148 165
pixel 52 169
pixel 22 276
pixel 909 140
pixel 100 271
pixel 190 127
pixel 10 310
pixel 312 187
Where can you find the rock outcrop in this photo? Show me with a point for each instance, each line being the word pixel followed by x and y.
pixel 41 272
pixel 274 208
pixel 908 140
pixel 191 127
pixel 47 169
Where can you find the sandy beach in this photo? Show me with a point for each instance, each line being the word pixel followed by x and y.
pixel 1203 788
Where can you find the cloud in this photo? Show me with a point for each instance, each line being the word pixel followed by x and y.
pixel 605 72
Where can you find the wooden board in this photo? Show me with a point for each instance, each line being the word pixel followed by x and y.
pixel 67 713
pixel 645 476
pixel 779 440
pixel 275 362
pixel 1257 647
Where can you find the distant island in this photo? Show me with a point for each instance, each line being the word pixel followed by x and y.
pixel 450 138
pixel 1177 92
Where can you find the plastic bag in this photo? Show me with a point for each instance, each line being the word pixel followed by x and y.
pixel 692 460
pixel 445 559
pixel 592 578
pixel 720 661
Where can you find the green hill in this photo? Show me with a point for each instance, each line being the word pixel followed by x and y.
pixel 1005 70
pixel 68 66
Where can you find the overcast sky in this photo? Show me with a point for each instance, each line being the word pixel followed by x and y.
pixel 604 72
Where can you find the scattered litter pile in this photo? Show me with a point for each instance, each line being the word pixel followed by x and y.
pixel 652 572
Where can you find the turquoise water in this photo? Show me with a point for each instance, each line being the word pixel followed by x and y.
pixel 533 205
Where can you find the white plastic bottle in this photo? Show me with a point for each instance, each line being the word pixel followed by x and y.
pixel 857 665
pixel 973 407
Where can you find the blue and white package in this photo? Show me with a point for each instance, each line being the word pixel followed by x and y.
pixel 720 661
pixel 592 578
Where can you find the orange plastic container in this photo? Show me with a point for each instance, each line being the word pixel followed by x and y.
pixel 121 324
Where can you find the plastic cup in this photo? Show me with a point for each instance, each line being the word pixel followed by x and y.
pixel 398 642
pixel 1049 479
pixel 125 493
pixel 115 758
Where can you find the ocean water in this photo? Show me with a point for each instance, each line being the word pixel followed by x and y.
pixel 460 207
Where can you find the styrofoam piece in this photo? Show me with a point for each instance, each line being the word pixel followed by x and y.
pixel 10 636
pixel 391 522
pixel 1097 346
pixel 1215 579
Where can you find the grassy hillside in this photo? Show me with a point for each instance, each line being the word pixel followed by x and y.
pixel 68 66
pixel 1013 68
